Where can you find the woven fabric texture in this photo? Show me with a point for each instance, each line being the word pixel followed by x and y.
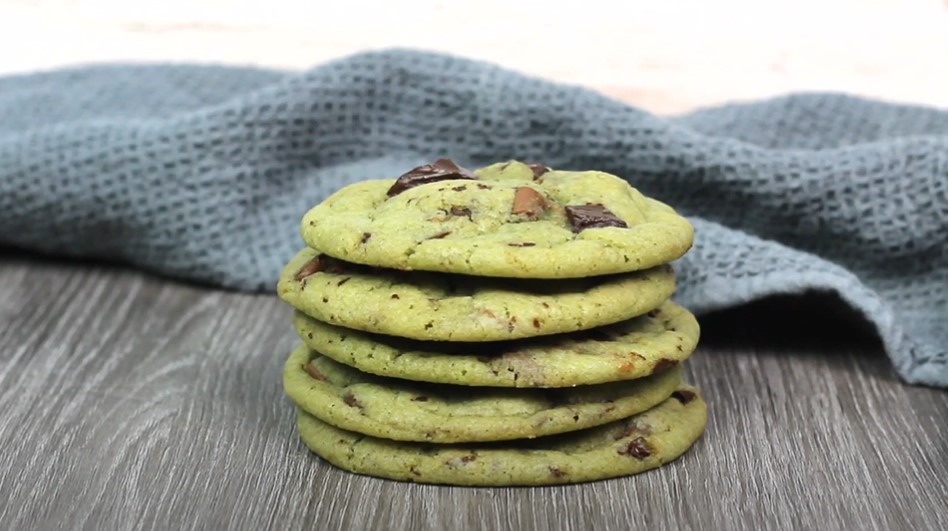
pixel 203 172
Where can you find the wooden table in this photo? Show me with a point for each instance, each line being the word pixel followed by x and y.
pixel 134 402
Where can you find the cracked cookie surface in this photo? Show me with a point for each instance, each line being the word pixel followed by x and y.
pixel 622 351
pixel 434 306
pixel 624 447
pixel 506 220
pixel 414 411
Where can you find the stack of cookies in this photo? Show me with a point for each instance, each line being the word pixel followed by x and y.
pixel 507 326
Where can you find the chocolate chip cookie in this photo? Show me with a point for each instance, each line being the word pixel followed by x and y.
pixel 413 411
pixel 509 219
pixel 622 351
pixel 433 306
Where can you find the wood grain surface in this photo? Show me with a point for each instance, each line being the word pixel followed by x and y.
pixel 134 402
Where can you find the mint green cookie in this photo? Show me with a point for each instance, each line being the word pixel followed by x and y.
pixel 413 411
pixel 512 221
pixel 629 446
pixel 621 351
pixel 433 306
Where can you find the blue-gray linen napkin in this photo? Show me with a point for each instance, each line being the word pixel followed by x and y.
pixel 203 173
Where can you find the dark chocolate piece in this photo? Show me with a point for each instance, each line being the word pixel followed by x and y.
pixel 583 217
pixel 528 201
pixel 351 400
pixel 684 395
pixel 663 365
pixel 638 448
pixel 312 371
pixel 439 170
pixel 538 169
pixel 314 265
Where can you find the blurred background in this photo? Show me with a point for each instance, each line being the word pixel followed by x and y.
pixel 665 56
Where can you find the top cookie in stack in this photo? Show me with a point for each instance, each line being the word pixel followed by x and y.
pixel 514 275
pixel 510 220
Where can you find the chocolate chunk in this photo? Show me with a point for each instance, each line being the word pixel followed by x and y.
pixel 315 265
pixel 314 372
pixel 528 201
pixel 461 211
pixel 468 458
pixel 663 365
pixel 327 264
pixel 538 169
pixel 439 170
pixel 521 244
pixel 351 400
pixel 420 398
pixel 638 449
pixel 343 281
pixel 684 395
pixel 459 188
pixel 583 217
pixel 366 236
pixel 536 323
pixel 483 186
pixel 556 472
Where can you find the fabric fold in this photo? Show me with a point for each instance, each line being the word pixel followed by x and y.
pixel 203 172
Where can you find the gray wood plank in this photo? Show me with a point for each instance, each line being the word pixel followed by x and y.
pixel 135 402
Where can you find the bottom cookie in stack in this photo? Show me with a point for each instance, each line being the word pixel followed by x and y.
pixel 590 405
pixel 621 448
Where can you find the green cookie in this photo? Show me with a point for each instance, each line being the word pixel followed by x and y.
pixel 514 220
pixel 621 448
pixel 436 306
pixel 621 351
pixel 416 411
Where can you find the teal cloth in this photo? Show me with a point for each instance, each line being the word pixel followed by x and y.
pixel 203 172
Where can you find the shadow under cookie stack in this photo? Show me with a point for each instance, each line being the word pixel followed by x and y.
pixel 507 326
